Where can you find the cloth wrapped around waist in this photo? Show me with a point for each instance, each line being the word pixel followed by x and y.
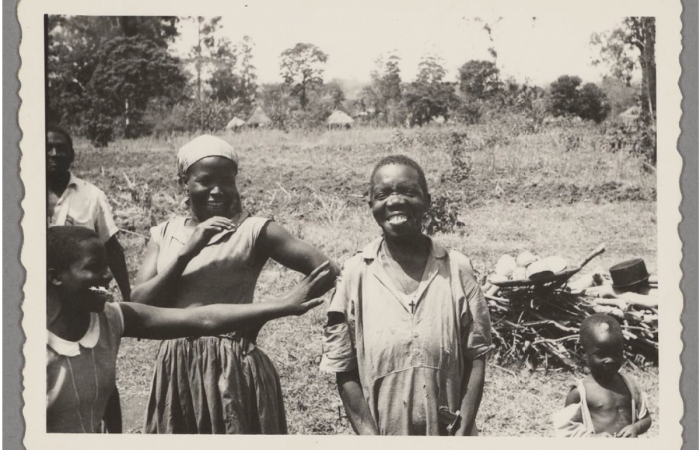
pixel 246 339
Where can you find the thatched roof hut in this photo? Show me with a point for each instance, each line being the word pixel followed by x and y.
pixel 235 123
pixel 339 119
pixel 259 118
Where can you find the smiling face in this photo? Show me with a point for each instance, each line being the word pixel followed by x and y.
pixel 211 183
pixel 59 153
pixel 604 351
pixel 89 269
pixel 398 202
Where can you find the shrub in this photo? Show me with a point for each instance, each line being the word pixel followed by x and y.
pixel 100 130
pixel 443 215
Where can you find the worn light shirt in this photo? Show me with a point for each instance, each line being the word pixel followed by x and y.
pixel 84 204
pixel 410 356
pixel 80 376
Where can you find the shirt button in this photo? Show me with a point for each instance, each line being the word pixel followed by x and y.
pixel 415 335
pixel 416 351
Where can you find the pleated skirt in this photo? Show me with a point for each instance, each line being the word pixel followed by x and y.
pixel 214 385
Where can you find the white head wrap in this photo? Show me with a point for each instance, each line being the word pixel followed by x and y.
pixel 203 147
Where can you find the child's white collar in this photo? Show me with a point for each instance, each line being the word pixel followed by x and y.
pixel 69 348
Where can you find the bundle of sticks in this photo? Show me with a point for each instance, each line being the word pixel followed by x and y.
pixel 540 327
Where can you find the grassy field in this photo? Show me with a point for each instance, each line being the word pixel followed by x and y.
pixel 520 191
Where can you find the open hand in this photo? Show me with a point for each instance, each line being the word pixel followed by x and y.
pixel 304 296
pixel 630 431
pixel 203 233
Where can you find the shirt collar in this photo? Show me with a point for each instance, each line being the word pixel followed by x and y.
pixel 371 251
pixel 73 181
pixel 70 348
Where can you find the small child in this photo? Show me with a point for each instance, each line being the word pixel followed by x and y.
pixel 84 331
pixel 607 403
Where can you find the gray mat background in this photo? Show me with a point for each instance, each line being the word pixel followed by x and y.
pixel 13 273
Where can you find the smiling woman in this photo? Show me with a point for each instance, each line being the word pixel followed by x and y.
pixel 223 384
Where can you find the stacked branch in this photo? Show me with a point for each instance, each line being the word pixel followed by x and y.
pixel 540 326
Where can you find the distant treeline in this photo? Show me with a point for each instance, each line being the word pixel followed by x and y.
pixel 118 77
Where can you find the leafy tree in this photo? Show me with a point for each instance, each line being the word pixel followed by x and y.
pixel 73 42
pixel 592 103
pixel 566 96
pixel 336 94
pixel 429 96
pixel 225 85
pixel 386 79
pixel 479 80
pixel 563 95
pixel 276 102
pixel 430 69
pixel 233 80
pixel 628 47
pixel 427 100
pixel 130 72
pixel 204 51
pixel 302 68
pixel 384 95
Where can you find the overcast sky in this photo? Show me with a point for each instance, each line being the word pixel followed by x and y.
pixel 535 49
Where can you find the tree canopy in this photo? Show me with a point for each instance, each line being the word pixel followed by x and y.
pixel 302 67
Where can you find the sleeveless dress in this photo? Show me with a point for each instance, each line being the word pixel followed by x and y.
pixel 221 384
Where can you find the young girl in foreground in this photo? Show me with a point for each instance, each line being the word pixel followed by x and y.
pixel 84 331
pixel 607 403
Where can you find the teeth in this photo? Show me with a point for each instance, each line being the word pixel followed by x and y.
pixel 101 291
pixel 398 219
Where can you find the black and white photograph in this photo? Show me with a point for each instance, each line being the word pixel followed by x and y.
pixel 389 219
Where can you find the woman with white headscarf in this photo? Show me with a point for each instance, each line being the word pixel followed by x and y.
pixel 223 384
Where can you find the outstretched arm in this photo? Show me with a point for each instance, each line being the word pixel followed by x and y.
pixel 148 322
pixel 355 404
pixel 117 264
pixel 472 390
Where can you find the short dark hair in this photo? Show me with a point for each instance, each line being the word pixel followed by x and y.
pixel 63 245
pixel 591 326
pixel 402 160
pixel 53 128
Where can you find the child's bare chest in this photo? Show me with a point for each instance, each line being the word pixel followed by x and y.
pixel 610 407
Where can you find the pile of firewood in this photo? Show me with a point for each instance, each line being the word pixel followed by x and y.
pixel 540 327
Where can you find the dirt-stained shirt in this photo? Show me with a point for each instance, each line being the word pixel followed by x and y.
pixel 410 351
